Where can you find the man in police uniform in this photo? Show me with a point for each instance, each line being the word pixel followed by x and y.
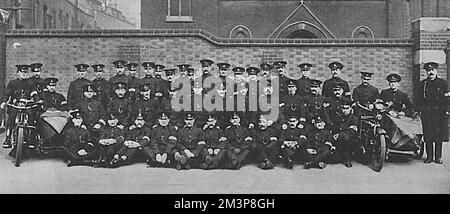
pixel 346 131
pixel 189 147
pixel 253 96
pixel 121 105
pixel 51 98
pixel 293 141
pixel 15 89
pixel 75 93
pixel 365 93
pixel 334 109
pixel 110 141
pixel 146 105
pixel 267 143
pixel 206 67
pixel 240 142
pixel 215 143
pixel 78 143
pixel 266 70
pixel 292 104
pixel 320 146
pixel 161 150
pixel 182 68
pixel 328 85
pixel 316 104
pixel 90 109
pixel 395 98
pixel 280 67
pixel 303 84
pixel 433 105
pixel 159 83
pixel 36 80
pixel 120 75
pixel 101 85
pixel 133 81
pixel 149 71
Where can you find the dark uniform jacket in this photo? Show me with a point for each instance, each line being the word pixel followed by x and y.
pixel 102 88
pixel 293 134
pixel 134 84
pixel 433 104
pixel 15 88
pixel 164 139
pixel 75 93
pixel 76 139
pixel 211 137
pixel 91 110
pixel 400 100
pixel 293 105
pixel 317 139
pixel 148 80
pixel 148 108
pixel 109 132
pixel 39 84
pixel 328 85
pixel 189 138
pixel 317 105
pixel 266 138
pixel 303 86
pixel 237 136
pixel 54 100
pixel 346 124
pixel 139 135
pixel 365 94
pixel 284 82
pixel 121 106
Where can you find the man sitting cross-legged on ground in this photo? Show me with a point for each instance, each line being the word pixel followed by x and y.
pixel 216 143
pixel 240 142
pixel 137 138
pixel 79 146
pixel 111 139
pixel 189 147
pixel 319 146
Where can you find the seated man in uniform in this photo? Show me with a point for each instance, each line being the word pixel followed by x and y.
pixel 53 100
pixel 189 148
pixel 346 131
pixel 397 100
pixel 293 139
pixel 215 143
pixel 240 142
pixel 79 146
pixel 267 143
pixel 137 138
pixel 111 139
pixel 161 150
pixel 121 104
pixel 320 145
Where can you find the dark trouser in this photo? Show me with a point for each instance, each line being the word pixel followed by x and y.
pixel 269 151
pixel 128 152
pixel 196 160
pixel 107 152
pixel 435 127
pixel 216 159
pixel 151 152
pixel 240 157
pixel 345 145
pixel 323 153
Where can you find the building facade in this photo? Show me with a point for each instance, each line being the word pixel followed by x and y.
pixel 66 14
pixel 292 18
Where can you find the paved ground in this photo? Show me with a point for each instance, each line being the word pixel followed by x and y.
pixel 401 175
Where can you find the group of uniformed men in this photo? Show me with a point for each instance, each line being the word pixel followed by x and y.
pixel 127 118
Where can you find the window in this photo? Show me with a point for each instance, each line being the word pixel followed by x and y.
pixel 61 19
pixel 240 31
pixel 179 11
pixel 66 22
pixel 362 32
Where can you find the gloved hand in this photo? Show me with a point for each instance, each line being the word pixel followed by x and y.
pixel 216 151
pixel 236 151
pixel 210 151
pixel 2 106
pixel 311 151
pixel 120 126
pixel 82 152
pixel 97 126
pixel 189 153
pixel 132 127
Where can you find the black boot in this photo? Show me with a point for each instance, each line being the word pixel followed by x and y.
pixel 288 163
pixel 7 144
pixel 429 150
pixel 438 151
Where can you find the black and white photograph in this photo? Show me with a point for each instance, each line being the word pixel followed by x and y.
pixel 224 97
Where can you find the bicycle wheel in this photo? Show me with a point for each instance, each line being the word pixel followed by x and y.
pixel 380 153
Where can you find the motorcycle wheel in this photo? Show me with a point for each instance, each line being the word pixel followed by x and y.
pixel 19 146
pixel 418 154
pixel 380 154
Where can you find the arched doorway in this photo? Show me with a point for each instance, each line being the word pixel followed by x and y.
pixel 301 34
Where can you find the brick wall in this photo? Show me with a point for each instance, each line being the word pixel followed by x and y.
pixel 59 50
pixel 430 36
pixel 3 28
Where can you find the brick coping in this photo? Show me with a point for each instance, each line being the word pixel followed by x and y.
pixel 342 42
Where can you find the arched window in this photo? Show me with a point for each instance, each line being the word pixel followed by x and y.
pixel 301 29
pixel 362 32
pixel 240 31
